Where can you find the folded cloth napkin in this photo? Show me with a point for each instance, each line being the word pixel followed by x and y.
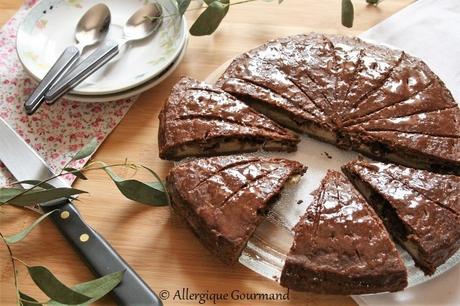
pixel 430 30
pixel 55 132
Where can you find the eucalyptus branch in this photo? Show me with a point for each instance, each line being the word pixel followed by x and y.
pixel 13 265
pixel 61 173
pixel 30 302
pixel 153 193
pixel 147 193
pixel 151 18
pixel 21 261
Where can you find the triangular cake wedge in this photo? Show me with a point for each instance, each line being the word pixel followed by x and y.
pixel 224 198
pixel 421 209
pixel 199 119
pixel 341 246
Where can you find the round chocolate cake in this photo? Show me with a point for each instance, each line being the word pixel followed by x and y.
pixel 372 99
pixel 378 101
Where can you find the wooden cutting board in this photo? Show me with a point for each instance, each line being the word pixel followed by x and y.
pixel 154 241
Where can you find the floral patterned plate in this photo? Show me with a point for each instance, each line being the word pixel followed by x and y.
pixel 49 28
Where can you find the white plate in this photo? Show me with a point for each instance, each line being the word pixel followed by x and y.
pixel 49 28
pixel 266 251
pixel 133 91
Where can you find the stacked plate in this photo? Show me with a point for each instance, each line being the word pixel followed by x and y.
pixel 49 28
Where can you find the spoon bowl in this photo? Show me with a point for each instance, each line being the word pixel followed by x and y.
pixel 93 25
pixel 143 22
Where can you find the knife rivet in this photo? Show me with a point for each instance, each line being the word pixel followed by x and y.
pixel 65 214
pixel 84 237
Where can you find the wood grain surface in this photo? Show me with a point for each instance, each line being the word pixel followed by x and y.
pixel 154 241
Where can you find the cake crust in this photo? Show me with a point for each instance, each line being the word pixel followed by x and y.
pixel 341 246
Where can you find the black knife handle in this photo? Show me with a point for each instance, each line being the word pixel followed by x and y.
pixel 100 256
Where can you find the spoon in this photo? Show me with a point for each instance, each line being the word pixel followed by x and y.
pixel 141 24
pixel 92 27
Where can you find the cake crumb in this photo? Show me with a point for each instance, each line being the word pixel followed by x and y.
pixel 299 202
pixel 275 278
pixel 327 155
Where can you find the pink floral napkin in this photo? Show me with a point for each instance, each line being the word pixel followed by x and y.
pixel 55 132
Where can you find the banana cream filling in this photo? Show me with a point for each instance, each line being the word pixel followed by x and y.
pixel 227 146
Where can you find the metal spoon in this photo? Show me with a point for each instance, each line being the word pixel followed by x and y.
pixel 92 27
pixel 141 24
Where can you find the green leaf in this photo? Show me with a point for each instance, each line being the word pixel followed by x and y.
pixel 347 13
pixel 87 150
pixel 210 19
pixel 7 193
pixel 97 288
pixel 53 288
pixel 159 184
pixel 373 1
pixel 76 172
pixel 24 298
pixel 43 185
pixel 16 196
pixel 146 193
pixel 183 6
pixel 22 234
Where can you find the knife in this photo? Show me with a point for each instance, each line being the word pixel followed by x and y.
pixel 25 164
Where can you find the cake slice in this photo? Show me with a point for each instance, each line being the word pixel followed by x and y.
pixel 434 97
pixel 224 198
pixel 201 120
pixel 405 80
pixel 421 209
pixel 341 246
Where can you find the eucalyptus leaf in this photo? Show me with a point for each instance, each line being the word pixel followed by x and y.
pixel 22 234
pixel 95 289
pixel 159 184
pixel 6 193
pixel 16 196
pixel 41 184
pixel 146 193
pixel 53 288
pixel 210 19
pixel 87 150
pixel 373 1
pixel 347 13
pixel 183 6
pixel 24 298
pixel 76 172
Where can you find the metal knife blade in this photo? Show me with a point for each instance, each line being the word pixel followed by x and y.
pixel 21 160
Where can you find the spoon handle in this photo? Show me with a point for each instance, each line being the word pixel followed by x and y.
pixel 68 57
pixel 83 70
